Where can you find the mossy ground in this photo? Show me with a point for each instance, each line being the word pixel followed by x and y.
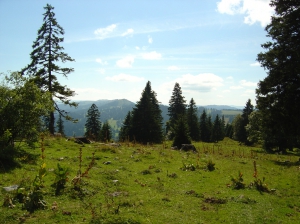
pixel 152 184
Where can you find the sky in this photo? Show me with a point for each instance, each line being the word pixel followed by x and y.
pixel 209 47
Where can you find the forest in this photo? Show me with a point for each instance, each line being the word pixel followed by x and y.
pixel 35 115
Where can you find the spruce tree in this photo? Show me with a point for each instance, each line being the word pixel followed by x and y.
pixel 248 109
pixel 210 128
pixel 204 129
pixel 105 134
pixel 193 121
pixel 93 123
pixel 46 59
pixel 278 95
pixel 125 131
pixel 217 130
pixel 146 125
pixel 181 132
pixel 177 107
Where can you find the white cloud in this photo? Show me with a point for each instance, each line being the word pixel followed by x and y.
pixel 229 78
pixel 173 68
pixel 137 48
pixel 99 60
pixel 235 87
pixel 255 64
pixel 226 91
pixel 124 78
pixel 127 32
pixel 205 82
pixel 228 6
pixel 103 33
pixel 125 62
pixel 101 71
pixel 250 91
pixel 248 84
pixel 150 40
pixel 254 10
pixel 153 55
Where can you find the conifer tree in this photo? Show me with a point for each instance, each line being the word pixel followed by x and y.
pixel 46 59
pixel 126 129
pixel 93 123
pixel 193 121
pixel 278 95
pixel 146 125
pixel 181 132
pixel 217 131
pixel 210 128
pixel 248 109
pixel 105 134
pixel 204 129
pixel 177 106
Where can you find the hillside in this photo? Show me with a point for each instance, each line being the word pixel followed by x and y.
pixel 114 111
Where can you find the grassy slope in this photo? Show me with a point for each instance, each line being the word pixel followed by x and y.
pixel 151 187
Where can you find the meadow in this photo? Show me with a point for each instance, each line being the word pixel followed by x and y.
pixel 223 182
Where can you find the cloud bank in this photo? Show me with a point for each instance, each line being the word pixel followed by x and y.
pixel 124 78
pixel 254 10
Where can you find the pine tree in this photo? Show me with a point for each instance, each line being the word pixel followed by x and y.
pixel 177 106
pixel 93 123
pixel 248 109
pixel 278 95
pixel 181 132
pixel 217 130
pixel 126 129
pixel 60 125
pixel 210 128
pixel 204 129
pixel 105 134
pixel 46 57
pixel 192 121
pixel 146 125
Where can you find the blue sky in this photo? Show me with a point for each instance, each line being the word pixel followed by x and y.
pixel 208 46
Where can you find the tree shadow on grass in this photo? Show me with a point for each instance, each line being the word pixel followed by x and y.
pixel 287 163
pixel 13 157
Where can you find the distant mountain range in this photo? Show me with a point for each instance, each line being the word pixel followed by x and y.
pixel 114 111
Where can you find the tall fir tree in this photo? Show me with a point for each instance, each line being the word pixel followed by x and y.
pixel 193 121
pixel 46 58
pixel 210 128
pixel 93 123
pixel 248 109
pixel 125 131
pixel 177 107
pixel 146 125
pixel 217 130
pixel 105 134
pixel 278 95
pixel 204 129
pixel 181 132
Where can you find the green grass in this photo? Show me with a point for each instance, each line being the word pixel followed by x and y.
pixel 140 184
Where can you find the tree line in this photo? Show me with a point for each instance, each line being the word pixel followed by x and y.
pixel 29 97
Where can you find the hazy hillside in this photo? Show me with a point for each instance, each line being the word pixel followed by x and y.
pixel 115 111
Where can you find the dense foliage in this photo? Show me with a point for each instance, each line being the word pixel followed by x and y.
pixel 44 66
pixel 105 133
pixel 22 104
pixel 193 121
pixel 146 120
pixel 177 108
pixel 93 123
pixel 278 95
